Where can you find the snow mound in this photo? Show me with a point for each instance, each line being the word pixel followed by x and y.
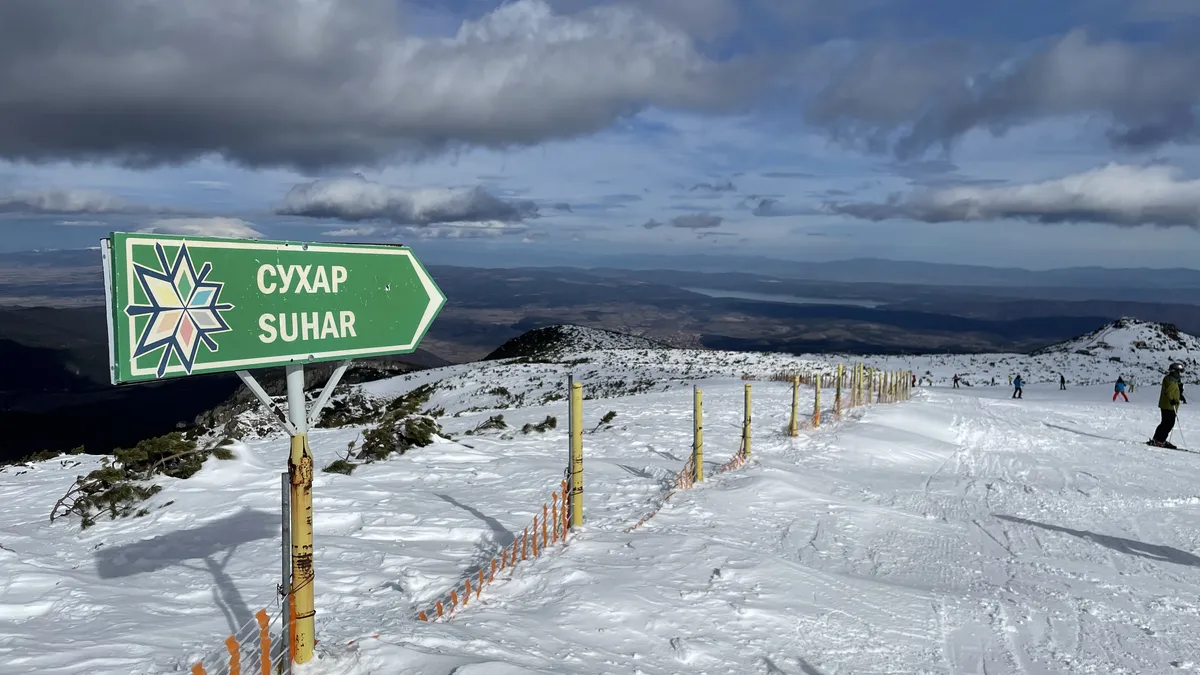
pixel 1128 337
pixel 554 341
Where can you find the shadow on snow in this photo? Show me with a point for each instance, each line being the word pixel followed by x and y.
pixel 213 544
pixel 1119 544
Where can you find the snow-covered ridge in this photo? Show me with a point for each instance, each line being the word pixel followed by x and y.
pixel 1129 336
pixel 530 371
pixel 552 342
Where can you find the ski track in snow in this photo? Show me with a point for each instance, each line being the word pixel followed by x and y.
pixel 955 533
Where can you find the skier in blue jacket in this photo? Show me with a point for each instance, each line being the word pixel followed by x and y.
pixel 1017 383
pixel 1119 389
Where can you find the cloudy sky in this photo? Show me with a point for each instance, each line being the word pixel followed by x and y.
pixel 1026 133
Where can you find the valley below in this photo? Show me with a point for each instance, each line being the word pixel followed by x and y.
pixel 56 393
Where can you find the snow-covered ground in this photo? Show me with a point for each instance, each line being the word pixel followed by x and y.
pixel 961 532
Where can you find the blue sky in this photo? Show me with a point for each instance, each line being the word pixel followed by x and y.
pixel 553 131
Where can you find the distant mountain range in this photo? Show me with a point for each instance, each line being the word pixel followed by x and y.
pixel 856 270
pixel 877 270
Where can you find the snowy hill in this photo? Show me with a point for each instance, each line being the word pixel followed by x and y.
pixel 1132 337
pixel 1136 350
pixel 958 532
pixel 554 341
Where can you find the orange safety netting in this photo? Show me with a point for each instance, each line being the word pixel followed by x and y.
pixel 549 527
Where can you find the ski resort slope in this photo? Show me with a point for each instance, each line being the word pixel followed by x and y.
pixel 954 534
pixel 960 532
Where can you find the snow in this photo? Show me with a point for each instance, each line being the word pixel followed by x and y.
pixel 583 338
pixel 960 532
pixel 1129 335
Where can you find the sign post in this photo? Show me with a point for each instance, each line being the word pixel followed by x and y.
pixel 180 306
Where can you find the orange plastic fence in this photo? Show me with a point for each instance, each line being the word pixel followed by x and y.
pixel 233 648
pixel 686 478
pixel 548 527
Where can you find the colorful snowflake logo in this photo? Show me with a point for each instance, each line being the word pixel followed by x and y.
pixel 184 309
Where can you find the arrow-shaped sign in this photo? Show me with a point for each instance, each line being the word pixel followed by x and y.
pixel 181 306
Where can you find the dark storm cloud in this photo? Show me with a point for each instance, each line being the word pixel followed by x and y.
pixel 326 83
pixel 714 188
pixel 909 99
pixel 771 207
pixel 354 200
pixel 697 221
pixel 691 221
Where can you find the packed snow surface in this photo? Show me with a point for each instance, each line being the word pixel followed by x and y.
pixel 960 532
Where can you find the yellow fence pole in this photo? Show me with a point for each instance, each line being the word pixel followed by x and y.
pixel 698 435
pixel 816 416
pixel 837 396
pixel 746 425
pixel 794 425
pixel 576 454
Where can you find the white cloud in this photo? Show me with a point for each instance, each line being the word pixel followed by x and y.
pixel 477 230
pixel 352 232
pixel 208 227
pixel 210 184
pixel 327 83
pixel 1115 194
pixel 66 201
pixel 356 199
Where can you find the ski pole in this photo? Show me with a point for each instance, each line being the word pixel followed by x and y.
pixel 1179 428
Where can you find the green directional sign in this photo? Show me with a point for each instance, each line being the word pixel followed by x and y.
pixel 181 306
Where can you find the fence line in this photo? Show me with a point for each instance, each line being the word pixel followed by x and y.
pixel 555 513
pixel 885 387
pixel 257 648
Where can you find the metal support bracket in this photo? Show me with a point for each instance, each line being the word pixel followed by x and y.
pixel 278 416
pixel 327 392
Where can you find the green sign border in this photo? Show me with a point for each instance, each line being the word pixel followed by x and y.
pixel 437 297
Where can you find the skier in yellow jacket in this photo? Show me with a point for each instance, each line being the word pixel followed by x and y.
pixel 1168 405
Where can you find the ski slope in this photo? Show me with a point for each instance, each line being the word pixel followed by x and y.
pixel 955 533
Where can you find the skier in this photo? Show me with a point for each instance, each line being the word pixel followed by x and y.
pixel 1017 384
pixel 956 380
pixel 1119 389
pixel 1168 405
pixel 1062 382
pixel 914 381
